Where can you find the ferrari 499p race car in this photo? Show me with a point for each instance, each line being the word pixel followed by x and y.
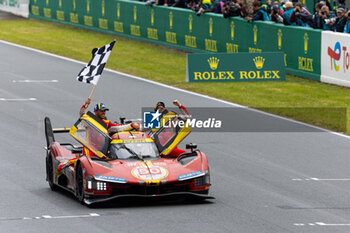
pixel 125 164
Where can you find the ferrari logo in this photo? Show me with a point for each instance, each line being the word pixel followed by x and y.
pixel 135 14
pixel 232 30
pixel 152 17
pixel 306 38
pixel 103 7
pixel 255 30
pixel 118 10
pixel 211 26
pixel 171 19
pixel 190 22
pixel 88 6
pixel 279 35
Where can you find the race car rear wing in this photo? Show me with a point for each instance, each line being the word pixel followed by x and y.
pixel 50 138
pixel 61 130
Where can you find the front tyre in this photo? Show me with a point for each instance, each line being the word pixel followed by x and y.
pixel 79 184
pixel 50 172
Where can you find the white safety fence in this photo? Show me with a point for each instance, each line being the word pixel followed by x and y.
pixel 17 7
pixel 335 58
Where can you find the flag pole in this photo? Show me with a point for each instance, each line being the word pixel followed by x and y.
pixel 92 92
pixel 90 96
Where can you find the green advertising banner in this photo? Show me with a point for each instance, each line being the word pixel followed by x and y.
pixel 183 29
pixel 239 67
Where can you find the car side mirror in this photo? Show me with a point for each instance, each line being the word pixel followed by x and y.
pixel 191 146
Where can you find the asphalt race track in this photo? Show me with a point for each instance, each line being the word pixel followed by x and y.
pixel 263 182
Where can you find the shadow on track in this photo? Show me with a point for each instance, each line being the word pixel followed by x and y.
pixel 135 202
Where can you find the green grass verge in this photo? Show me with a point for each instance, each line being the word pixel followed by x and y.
pixel 295 98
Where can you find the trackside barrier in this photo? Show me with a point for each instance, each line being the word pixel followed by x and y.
pixel 17 7
pixel 335 58
pixel 182 29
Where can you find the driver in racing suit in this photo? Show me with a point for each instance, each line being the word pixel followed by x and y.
pixel 160 106
pixel 100 112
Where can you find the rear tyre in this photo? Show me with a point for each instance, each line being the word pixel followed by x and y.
pixel 50 172
pixel 79 184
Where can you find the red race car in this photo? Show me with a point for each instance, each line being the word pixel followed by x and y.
pixel 126 164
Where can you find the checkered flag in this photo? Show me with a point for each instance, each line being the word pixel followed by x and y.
pixel 93 70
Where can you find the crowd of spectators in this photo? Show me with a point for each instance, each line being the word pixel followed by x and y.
pixel 325 17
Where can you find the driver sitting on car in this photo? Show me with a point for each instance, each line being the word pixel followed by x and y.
pixel 160 107
pixel 100 112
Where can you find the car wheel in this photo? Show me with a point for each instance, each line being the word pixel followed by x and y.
pixel 50 172
pixel 79 184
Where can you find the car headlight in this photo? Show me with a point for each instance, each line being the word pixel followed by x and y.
pixel 203 180
pixel 93 184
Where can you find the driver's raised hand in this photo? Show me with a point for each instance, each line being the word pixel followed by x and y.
pixel 136 126
pixel 177 103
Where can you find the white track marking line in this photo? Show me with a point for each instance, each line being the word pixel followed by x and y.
pixel 35 81
pixel 322 224
pixel 74 216
pixel 94 215
pixel 43 217
pixel 178 89
pixel 319 179
pixel 28 99
pixel 332 224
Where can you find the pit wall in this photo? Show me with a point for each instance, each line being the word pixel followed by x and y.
pixel 183 29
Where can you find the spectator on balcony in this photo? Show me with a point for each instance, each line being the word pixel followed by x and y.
pixel 328 19
pixel 299 16
pixel 215 6
pixel 325 2
pixel 267 6
pixel 347 25
pixel 259 13
pixel 201 6
pixel 248 6
pixel 233 8
pixel 340 20
pixel 185 4
pixel 288 10
pixel 316 21
pixel 191 4
pixel 275 15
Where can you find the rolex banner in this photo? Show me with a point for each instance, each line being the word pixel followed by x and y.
pixel 235 67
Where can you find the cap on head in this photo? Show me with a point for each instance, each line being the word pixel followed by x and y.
pixel 100 107
pixel 341 10
pixel 160 103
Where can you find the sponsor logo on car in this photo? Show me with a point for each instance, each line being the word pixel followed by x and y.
pixel 190 175
pixel 110 178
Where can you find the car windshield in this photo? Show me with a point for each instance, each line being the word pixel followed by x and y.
pixel 134 150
